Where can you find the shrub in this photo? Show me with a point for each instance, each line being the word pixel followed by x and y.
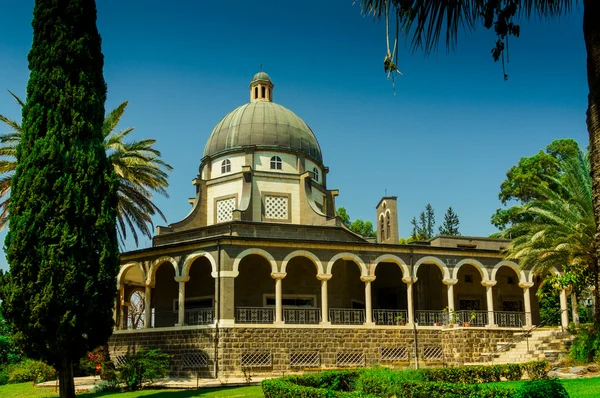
pixel 548 388
pixel 511 371
pixel 31 370
pixel 381 381
pixel 586 346
pixel 536 370
pixel 107 386
pixel 142 366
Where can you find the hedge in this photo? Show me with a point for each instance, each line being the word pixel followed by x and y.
pixel 536 370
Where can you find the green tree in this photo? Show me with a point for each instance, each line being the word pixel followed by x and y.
pixel 138 165
pixel 358 226
pixel 423 228
pixel 430 216
pixel 62 243
pixel 450 225
pixel 428 20
pixel 523 179
pixel 558 230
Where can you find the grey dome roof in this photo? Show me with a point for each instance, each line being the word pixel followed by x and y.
pixel 260 76
pixel 266 125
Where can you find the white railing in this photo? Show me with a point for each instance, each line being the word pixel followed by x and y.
pixel 509 319
pixel 302 315
pixel 254 315
pixel 390 317
pixel 345 316
pixel 474 318
pixel 431 318
pixel 199 316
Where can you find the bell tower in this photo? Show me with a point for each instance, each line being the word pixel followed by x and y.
pixel 261 87
pixel 387 220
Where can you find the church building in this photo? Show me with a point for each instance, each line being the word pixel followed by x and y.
pixel 261 276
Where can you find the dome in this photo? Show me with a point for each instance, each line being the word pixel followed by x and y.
pixel 260 76
pixel 266 125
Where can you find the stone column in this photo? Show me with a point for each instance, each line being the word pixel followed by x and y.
pixel 527 302
pixel 278 276
pixel 564 313
pixel 409 299
pixel 147 306
pixel 490 300
pixel 225 285
pixel 324 300
pixel 450 285
pixel 121 308
pixel 368 303
pixel 181 314
pixel 574 308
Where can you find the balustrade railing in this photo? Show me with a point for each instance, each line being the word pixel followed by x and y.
pixel 474 318
pixel 510 319
pixel 346 316
pixel 254 315
pixel 390 317
pixel 199 316
pixel 302 316
pixel 431 318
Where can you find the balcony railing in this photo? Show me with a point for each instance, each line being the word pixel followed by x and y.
pixel 305 316
pixel 346 316
pixel 509 319
pixel 390 317
pixel 431 318
pixel 199 316
pixel 474 318
pixel 254 315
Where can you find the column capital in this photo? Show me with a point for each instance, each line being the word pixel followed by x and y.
pixel 526 285
pixel 367 278
pixel 148 284
pixel 489 283
pixel 324 277
pixel 182 278
pixel 278 275
pixel 409 280
pixel 449 281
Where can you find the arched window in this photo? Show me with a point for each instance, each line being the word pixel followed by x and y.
pixel 263 92
pixel 225 166
pixel 255 92
pixel 381 230
pixel 276 163
pixel 387 231
pixel 316 172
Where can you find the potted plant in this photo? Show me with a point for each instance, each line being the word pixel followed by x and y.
pixel 472 316
pixel 451 317
pixel 399 320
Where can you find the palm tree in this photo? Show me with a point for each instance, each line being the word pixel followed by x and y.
pixel 138 165
pixel 427 20
pixel 558 229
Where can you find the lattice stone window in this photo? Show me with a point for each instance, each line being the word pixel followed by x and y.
pixel 394 353
pixel 433 353
pixel 256 359
pixel 349 359
pixel 194 360
pixel 308 359
pixel 276 207
pixel 225 209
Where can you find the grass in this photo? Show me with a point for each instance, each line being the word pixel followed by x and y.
pixel 26 390
pixel 577 388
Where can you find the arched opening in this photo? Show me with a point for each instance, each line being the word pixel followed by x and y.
pixel 132 279
pixel 509 308
pixel 255 92
pixel 470 296
pixel 381 229
pixel 263 92
pixel 136 309
pixel 200 293
pixel 301 292
pixel 164 296
pixel 346 294
pixel 389 295
pixel 388 226
pixel 252 287
pixel 430 295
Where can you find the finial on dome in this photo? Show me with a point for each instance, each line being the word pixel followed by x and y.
pixel 261 87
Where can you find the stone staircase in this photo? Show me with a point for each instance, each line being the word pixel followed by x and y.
pixel 546 343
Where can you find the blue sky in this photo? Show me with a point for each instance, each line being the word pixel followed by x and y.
pixel 447 137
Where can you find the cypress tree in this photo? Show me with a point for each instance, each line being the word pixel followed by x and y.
pixel 451 222
pixel 62 244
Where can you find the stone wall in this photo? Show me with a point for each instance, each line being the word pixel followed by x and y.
pixel 256 350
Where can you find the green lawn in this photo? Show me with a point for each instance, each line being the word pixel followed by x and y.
pixel 26 390
pixel 577 388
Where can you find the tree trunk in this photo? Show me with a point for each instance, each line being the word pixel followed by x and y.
pixel 66 383
pixel 574 308
pixel 591 35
